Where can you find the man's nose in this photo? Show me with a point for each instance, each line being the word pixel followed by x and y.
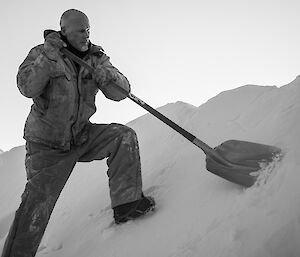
pixel 86 34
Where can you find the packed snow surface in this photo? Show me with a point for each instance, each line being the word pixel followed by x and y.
pixel 198 213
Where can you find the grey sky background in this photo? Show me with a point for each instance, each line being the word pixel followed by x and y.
pixel 170 50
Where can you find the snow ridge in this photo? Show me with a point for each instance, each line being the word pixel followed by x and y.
pixel 198 213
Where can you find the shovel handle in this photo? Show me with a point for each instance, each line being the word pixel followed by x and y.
pixel 207 149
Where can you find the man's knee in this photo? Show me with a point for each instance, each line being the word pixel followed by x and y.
pixel 129 137
pixel 124 131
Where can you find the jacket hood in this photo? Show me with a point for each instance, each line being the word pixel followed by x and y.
pixel 92 48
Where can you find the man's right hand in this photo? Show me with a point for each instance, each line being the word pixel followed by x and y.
pixel 53 43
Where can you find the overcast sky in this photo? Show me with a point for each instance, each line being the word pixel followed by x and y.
pixel 170 50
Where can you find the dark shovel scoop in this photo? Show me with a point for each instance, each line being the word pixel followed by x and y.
pixel 240 160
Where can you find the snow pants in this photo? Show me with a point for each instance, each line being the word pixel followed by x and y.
pixel 48 170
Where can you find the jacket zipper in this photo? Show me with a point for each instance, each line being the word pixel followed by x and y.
pixel 78 98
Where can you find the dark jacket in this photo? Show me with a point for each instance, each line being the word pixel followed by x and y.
pixel 63 97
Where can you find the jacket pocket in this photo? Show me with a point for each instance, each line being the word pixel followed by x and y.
pixel 60 91
pixel 60 74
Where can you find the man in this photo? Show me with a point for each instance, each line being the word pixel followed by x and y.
pixel 58 132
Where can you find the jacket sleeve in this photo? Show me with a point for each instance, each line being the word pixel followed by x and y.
pixel 34 73
pixel 110 89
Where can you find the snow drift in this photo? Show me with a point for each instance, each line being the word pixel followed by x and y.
pixel 198 213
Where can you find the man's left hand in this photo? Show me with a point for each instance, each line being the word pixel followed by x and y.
pixel 103 75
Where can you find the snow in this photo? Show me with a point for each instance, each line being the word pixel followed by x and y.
pixel 198 213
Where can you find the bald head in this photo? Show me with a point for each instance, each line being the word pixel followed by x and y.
pixel 76 28
pixel 70 16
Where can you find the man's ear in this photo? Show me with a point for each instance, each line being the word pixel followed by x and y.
pixel 63 31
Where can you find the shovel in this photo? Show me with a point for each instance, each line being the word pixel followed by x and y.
pixel 234 160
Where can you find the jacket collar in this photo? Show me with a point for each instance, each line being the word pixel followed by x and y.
pixel 93 49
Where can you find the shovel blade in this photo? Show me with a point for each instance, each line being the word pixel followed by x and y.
pixel 242 160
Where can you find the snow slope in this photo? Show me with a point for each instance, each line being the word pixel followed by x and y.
pixel 198 213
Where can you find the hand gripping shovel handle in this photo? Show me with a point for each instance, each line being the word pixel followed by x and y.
pixel 207 149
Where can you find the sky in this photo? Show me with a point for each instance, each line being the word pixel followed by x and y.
pixel 170 50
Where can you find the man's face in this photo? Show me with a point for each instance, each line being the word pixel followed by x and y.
pixel 77 32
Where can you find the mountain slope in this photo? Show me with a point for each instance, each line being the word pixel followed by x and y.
pixel 198 213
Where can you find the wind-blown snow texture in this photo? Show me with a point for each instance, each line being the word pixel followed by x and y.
pixel 198 213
